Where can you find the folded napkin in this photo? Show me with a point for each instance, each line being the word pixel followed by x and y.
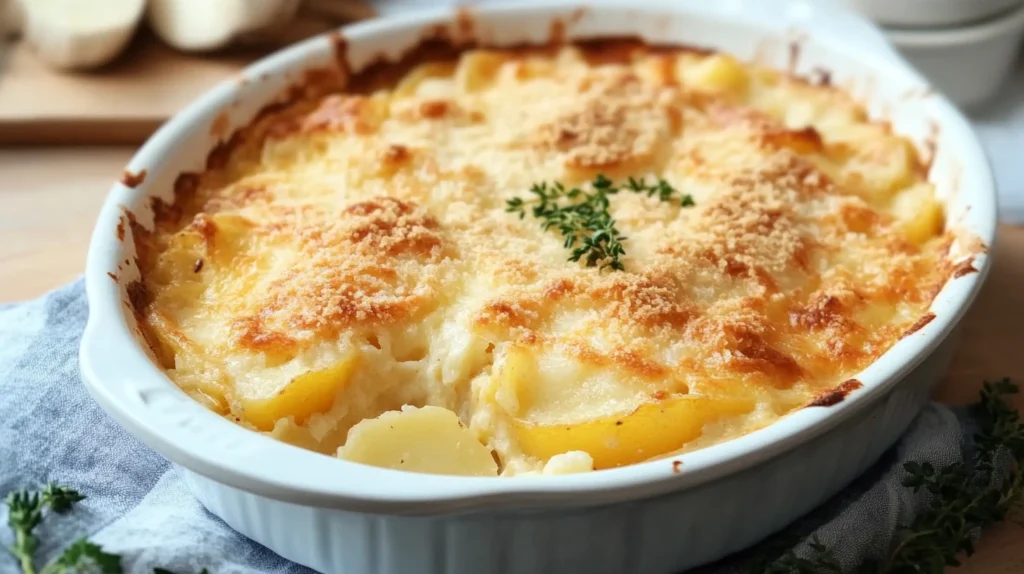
pixel 137 506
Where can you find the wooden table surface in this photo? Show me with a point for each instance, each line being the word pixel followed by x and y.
pixel 49 198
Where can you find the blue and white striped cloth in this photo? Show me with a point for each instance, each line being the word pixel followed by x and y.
pixel 51 430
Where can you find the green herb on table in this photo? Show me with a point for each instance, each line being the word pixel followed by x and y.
pixel 583 217
pixel 966 497
pixel 26 510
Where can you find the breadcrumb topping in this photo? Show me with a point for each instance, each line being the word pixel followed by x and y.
pixel 615 120
pixel 374 266
pixel 374 226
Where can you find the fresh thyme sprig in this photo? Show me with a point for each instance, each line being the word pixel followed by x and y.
pixel 84 556
pixel 26 511
pixel 583 217
pixel 966 497
pixel 661 188
pixel 60 499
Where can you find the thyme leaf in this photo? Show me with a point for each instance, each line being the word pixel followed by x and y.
pixel 965 498
pixel 26 511
pixel 582 216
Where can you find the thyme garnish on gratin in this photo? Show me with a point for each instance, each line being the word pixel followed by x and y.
pixel 583 217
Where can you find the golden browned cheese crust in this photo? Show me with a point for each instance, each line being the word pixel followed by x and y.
pixel 353 254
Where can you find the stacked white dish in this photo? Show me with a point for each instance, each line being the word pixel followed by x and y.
pixel 967 48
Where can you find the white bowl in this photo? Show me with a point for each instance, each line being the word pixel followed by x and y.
pixel 968 64
pixel 653 517
pixel 931 13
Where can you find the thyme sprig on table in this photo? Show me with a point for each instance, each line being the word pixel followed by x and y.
pixel 965 497
pixel 583 217
pixel 26 510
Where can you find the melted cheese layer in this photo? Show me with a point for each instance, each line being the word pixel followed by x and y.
pixel 354 256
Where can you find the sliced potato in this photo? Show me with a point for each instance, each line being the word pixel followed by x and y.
pixel 532 385
pixel 427 439
pixel 571 462
pixel 920 212
pixel 516 375
pixel 528 68
pixel 477 69
pixel 305 395
pixel 411 82
pixel 718 73
pixel 650 430
pixel 171 342
pixel 873 163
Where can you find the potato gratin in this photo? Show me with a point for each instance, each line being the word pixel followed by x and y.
pixel 348 278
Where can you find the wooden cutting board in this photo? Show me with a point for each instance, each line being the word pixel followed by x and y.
pixel 122 103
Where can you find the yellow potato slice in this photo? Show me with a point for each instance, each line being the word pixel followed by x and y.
pixel 427 439
pixel 920 212
pixel 872 162
pixel 305 395
pixel 203 381
pixel 532 386
pixel 516 375
pixel 717 73
pixel 171 342
pixel 410 84
pixel 650 430
pixel 476 69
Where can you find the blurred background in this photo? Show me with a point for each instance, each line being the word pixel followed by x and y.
pixel 110 71
pixel 137 60
pixel 84 82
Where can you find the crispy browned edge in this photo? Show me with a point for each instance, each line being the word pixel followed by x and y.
pixel 444 42
pixel 220 125
pixel 835 396
pixel 132 179
pixel 919 324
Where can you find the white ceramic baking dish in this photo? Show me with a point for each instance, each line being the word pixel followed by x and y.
pixel 656 517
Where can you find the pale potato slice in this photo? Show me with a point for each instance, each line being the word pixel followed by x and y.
pixel 305 395
pixel 427 439
pixel 571 462
pixel 650 430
